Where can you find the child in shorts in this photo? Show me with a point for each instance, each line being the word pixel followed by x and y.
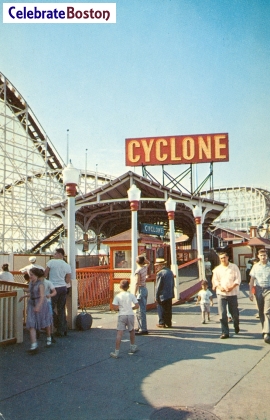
pixel 205 297
pixel 123 303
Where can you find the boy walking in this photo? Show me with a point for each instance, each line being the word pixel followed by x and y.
pixel 123 303
pixel 205 297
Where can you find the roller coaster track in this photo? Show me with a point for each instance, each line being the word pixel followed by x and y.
pixel 247 206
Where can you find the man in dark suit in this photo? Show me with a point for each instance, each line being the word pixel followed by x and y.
pixel 164 293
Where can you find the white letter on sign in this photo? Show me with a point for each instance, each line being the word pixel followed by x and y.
pixel 219 146
pixel 203 148
pixel 173 150
pixel 161 157
pixel 131 152
pixel 188 148
pixel 147 149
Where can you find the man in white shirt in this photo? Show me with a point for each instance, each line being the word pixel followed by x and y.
pixel 25 270
pixel 226 281
pixel 260 273
pixel 59 273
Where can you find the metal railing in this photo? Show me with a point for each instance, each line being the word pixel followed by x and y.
pixel 189 273
pixel 97 287
pixel 93 287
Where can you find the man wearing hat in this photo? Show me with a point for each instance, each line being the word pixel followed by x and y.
pixel 25 270
pixel 164 293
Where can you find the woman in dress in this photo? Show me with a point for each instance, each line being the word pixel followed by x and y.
pixel 38 311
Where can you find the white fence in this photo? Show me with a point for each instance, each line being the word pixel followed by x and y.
pixel 11 316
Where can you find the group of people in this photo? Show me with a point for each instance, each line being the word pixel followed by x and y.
pixel 47 298
pixel 225 281
pixel 46 295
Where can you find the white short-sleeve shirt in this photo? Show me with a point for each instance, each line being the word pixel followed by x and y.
pixel 125 300
pixel 224 276
pixel 58 271
pixel 205 296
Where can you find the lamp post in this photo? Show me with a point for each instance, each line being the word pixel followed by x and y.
pixel 170 208
pixel 197 213
pixel 71 177
pixel 134 196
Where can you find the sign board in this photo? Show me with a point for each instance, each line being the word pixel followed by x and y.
pixel 152 229
pixel 175 150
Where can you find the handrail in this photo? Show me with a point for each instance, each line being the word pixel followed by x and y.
pixel 188 263
pixel 13 284
pixel 101 270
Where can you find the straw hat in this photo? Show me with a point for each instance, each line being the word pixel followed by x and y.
pixel 160 261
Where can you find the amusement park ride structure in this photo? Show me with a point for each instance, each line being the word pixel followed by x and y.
pixel 30 174
pixel 247 206
pixel 31 180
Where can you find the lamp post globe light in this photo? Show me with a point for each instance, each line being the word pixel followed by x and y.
pixel 71 178
pixel 170 206
pixel 197 213
pixel 134 196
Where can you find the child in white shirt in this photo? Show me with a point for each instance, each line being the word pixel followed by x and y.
pixel 123 303
pixel 205 297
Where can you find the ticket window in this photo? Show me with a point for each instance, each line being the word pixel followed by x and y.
pixel 122 259
pixel 151 256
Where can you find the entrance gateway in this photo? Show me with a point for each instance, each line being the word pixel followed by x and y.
pixel 106 210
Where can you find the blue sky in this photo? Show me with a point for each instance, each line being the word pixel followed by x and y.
pixel 165 68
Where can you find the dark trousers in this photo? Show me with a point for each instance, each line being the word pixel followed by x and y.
pixel 59 302
pixel 165 312
pixel 232 303
pixel 263 301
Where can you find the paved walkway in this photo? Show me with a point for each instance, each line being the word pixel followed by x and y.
pixel 182 373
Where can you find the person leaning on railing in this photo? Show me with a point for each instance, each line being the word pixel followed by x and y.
pixel 26 270
pixel 5 274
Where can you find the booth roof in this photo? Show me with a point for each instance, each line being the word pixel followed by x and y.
pixel 126 237
pixel 107 209
pixel 264 243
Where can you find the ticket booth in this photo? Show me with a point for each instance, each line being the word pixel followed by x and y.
pixel 120 260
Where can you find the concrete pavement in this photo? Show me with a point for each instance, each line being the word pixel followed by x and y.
pixel 185 372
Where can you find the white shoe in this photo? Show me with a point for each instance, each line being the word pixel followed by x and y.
pixel 112 354
pixel 133 349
